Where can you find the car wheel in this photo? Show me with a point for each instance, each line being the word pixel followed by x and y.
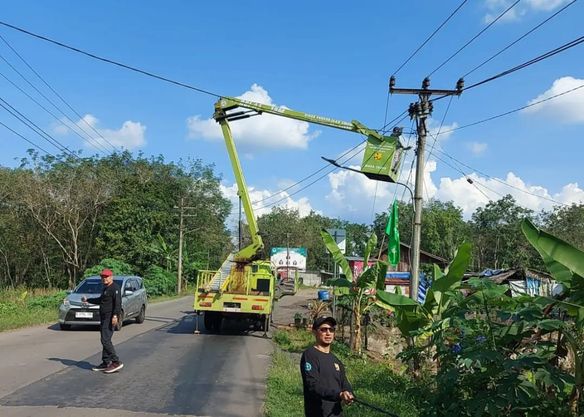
pixel 64 326
pixel 120 321
pixel 142 316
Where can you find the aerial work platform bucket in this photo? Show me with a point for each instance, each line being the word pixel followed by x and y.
pixel 383 157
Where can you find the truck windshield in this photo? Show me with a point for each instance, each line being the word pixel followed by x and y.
pixel 94 286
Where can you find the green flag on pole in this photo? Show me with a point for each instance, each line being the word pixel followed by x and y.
pixel 392 232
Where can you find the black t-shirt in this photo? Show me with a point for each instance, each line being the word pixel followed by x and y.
pixel 323 377
pixel 110 300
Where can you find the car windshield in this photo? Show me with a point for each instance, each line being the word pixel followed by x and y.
pixel 94 286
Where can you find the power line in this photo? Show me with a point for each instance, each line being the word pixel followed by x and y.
pixel 519 39
pixel 327 165
pixel 40 93
pixel 311 183
pixel 532 61
pixel 468 179
pixel 27 122
pixel 430 37
pixel 499 180
pixel 435 137
pixel 474 37
pixel 308 176
pixel 56 93
pixel 513 111
pixel 28 140
pixel 110 61
pixel 51 113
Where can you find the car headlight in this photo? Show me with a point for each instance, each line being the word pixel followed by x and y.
pixel 66 301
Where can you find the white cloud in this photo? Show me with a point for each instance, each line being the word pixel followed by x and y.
pixel 130 136
pixel 496 7
pixel 534 197
pixel 265 131
pixel 352 194
pixel 265 199
pixel 477 148
pixel 443 132
pixel 566 108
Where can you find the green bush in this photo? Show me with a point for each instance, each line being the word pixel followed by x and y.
pixel 159 281
pixel 118 267
pixel 46 301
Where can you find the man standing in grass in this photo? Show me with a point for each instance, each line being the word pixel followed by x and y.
pixel 323 375
pixel 110 308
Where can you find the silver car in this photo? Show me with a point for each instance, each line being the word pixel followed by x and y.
pixel 74 311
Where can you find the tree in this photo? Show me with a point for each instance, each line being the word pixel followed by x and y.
pixel 497 237
pixel 64 195
pixel 566 222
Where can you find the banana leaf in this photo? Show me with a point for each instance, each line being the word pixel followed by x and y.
pixel 338 256
pixel 562 259
pixel 371 243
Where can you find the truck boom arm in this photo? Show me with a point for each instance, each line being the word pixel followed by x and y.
pixel 223 114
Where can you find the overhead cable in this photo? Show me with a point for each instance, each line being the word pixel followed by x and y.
pixel 519 39
pixel 532 61
pixel 430 37
pixel 81 118
pixel 27 140
pixel 474 37
pixel 446 154
pixel 35 128
pixel 514 110
pixel 110 61
pixel 94 144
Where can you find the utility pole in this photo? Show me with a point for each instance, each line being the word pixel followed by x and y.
pixel 180 246
pixel 287 256
pixel 420 111
pixel 181 229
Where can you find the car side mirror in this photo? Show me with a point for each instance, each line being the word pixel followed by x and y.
pixel 69 292
pixel 128 292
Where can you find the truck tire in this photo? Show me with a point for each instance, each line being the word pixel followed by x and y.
pixel 208 320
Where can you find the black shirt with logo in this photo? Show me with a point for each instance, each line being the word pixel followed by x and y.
pixel 323 377
pixel 110 300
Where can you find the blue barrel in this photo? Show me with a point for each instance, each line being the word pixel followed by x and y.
pixel 323 295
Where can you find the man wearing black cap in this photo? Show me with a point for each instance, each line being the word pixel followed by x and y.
pixel 110 308
pixel 323 374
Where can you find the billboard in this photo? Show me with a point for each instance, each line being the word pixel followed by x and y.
pixel 288 257
pixel 340 237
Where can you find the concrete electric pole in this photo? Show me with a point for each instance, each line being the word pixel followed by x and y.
pixel 420 111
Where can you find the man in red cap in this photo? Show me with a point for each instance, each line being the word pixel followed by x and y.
pixel 323 375
pixel 110 308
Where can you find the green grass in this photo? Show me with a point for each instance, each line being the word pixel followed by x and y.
pixel 373 382
pixel 23 308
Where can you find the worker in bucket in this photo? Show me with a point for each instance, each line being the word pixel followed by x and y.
pixel 326 386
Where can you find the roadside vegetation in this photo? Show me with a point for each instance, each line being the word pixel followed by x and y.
pixel 20 307
pixel 373 382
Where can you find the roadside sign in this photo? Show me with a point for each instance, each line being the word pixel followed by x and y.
pixel 340 237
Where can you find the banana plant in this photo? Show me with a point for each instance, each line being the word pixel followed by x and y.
pixel 363 289
pixel 566 265
pixel 417 319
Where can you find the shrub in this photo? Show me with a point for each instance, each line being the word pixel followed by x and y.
pixel 118 267
pixel 159 281
pixel 46 301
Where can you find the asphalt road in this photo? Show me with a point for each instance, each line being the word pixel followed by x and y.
pixel 168 370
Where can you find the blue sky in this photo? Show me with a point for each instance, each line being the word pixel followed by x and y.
pixel 328 58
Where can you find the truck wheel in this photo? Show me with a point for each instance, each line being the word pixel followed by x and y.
pixel 208 320
pixel 217 323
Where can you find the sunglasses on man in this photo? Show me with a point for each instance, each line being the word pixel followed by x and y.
pixel 326 329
